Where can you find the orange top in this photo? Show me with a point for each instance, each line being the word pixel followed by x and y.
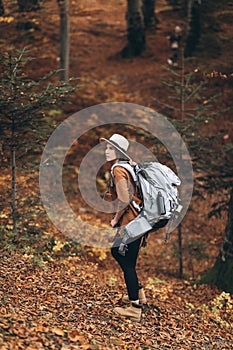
pixel 124 190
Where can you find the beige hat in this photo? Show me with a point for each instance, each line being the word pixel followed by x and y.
pixel 119 142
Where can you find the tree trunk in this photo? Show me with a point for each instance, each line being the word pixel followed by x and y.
pixel 150 19
pixel 193 27
pixel 2 12
pixel 30 5
pixel 180 251
pixel 135 29
pixel 64 39
pixel 221 274
pixel 14 187
pixel 174 3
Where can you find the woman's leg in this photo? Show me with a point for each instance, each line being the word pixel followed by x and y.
pixel 128 266
pixel 175 55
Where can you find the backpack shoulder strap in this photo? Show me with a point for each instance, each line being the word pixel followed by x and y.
pixel 128 167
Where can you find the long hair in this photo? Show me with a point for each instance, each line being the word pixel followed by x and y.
pixel 120 156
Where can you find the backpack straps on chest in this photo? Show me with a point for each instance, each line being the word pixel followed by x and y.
pixel 130 168
pixel 132 171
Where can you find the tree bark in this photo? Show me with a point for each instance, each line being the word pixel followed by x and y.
pixel 193 27
pixel 150 19
pixel 2 12
pixel 30 5
pixel 14 187
pixel 64 39
pixel 180 250
pixel 135 29
pixel 221 274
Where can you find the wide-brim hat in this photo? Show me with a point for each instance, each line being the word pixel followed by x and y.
pixel 119 142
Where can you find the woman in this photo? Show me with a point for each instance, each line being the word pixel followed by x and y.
pixel 123 190
pixel 174 38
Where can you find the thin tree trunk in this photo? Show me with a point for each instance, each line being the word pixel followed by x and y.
pixel 221 274
pixel 64 39
pixel 180 251
pixel 14 184
pixel 182 112
pixel 135 29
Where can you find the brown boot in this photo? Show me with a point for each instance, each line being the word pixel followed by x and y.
pixel 134 311
pixel 141 295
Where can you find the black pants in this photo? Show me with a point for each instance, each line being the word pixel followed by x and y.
pixel 174 55
pixel 128 266
pixel 128 262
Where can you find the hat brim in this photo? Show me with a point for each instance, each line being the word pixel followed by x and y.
pixel 102 139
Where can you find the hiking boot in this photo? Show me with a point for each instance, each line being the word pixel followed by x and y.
pixel 141 295
pixel 133 312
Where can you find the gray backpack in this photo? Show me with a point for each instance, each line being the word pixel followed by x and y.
pixel 158 187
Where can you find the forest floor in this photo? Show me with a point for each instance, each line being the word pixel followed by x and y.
pixel 66 303
pixel 61 295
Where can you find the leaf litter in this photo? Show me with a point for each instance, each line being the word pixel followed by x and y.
pixel 67 304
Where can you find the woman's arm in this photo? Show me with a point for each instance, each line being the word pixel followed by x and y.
pixel 124 191
pixel 117 217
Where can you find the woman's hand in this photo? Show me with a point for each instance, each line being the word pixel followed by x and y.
pixel 114 222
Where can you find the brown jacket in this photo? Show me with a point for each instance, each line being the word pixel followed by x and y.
pixel 124 191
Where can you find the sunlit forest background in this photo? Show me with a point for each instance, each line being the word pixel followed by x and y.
pixel 62 57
